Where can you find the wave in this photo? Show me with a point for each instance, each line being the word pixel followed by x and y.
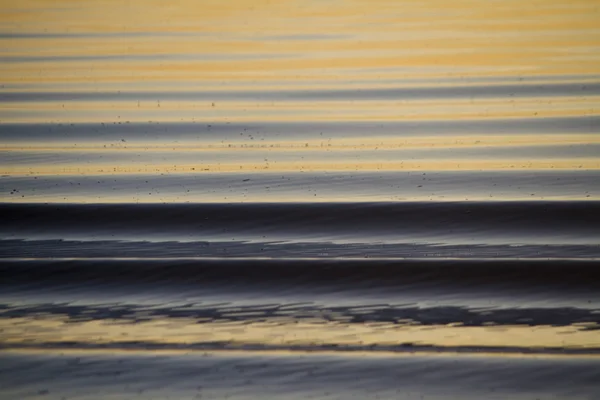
pixel 563 222
pixel 553 279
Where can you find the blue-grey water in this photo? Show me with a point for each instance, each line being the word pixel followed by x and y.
pixel 299 199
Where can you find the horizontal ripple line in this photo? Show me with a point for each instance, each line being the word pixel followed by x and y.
pixel 404 348
pixel 405 93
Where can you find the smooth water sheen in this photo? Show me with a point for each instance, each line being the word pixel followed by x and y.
pixel 300 199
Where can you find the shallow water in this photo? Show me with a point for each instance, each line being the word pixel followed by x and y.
pixel 299 199
pixel 94 375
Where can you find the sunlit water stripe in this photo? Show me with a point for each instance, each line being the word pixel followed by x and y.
pixel 298 62
pixel 317 111
pixel 205 112
pixel 316 335
pixel 326 39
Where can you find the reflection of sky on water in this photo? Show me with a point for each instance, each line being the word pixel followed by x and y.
pixel 304 101
pixel 261 87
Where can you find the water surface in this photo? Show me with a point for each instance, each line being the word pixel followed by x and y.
pixel 299 199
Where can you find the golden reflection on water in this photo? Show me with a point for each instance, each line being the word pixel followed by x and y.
pixel 337 42
pixel 158 168
pixel 48 330
pixel 151 49
pixel 303 145
pixel 310 37
pixel 175 111
pixel 154 48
